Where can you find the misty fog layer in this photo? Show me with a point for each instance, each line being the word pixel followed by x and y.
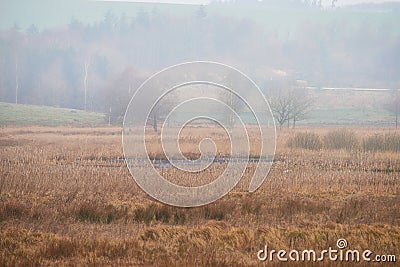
pixel 98 65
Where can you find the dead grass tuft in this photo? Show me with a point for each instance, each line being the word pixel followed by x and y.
pixel 12 209
pixel 59 247
pixel 93 212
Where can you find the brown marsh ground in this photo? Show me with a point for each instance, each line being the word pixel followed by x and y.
pixel 66 200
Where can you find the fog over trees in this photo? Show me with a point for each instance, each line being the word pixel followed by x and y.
pixel 97 66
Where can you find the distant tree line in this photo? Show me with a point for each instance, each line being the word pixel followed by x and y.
pixel 98 67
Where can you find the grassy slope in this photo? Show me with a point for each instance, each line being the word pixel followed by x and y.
pixel 348 107
pixel 12 114
pixel 348 116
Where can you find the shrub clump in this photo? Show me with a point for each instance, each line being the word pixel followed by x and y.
pixel 380 142
pixel 341 139
pixel 305 140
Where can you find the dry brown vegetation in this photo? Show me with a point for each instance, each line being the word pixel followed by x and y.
pixel 66 200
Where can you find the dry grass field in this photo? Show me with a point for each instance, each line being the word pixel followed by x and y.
pixel 66 200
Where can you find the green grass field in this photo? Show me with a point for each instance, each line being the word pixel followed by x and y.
pixel 348 116
pixel 12 114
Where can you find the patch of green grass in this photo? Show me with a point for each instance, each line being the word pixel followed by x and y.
pixel 12 114
pixel 344 116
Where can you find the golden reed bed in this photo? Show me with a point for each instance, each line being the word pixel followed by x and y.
pixel 65 200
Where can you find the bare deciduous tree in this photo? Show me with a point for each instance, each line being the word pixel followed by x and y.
pixel 161 110
pixel 234 103
pixel 118 92
pixel 16 80
pixel 86 66
pixel 290 106
pixel 280 106
pixel 299 108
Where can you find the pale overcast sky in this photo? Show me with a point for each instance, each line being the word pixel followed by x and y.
pixel 340 2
